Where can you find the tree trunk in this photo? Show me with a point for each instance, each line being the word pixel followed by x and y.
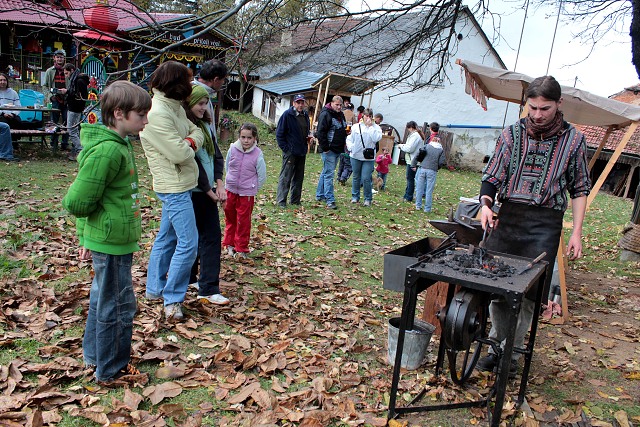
pixel 243 85
pixel 635 59
pixel 635 35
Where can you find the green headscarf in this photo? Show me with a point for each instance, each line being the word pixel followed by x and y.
pixel 197 93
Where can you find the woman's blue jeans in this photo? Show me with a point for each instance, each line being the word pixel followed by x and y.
pixel 112 306
pixel 411 182
pixel 174 249
pixel 362 170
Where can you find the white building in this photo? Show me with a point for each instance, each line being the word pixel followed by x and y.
pixel 404 91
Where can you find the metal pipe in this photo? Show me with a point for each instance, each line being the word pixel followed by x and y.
pixel 473 126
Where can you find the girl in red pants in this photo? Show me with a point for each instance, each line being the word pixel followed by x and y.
pixel 246 173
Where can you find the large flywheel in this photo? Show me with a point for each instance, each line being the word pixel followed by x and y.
pixel 463 322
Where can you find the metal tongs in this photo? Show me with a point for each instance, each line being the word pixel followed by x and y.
pixel 481 246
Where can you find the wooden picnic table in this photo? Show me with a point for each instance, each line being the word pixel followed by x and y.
pixel 49 128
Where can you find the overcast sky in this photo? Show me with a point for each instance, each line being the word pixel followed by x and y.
pixel 606 71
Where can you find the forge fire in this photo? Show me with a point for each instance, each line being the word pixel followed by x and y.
pixel 474 264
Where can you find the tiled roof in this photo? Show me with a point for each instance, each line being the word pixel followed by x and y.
pixel 594 134
pixel 348 54
pixel 43 13
pixel 311 36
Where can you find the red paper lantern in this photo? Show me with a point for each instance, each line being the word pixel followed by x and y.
pixel 102 18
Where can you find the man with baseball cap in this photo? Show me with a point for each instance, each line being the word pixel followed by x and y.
pixel 54 87
pixel 291 134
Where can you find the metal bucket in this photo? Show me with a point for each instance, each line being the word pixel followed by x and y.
pixel 415 345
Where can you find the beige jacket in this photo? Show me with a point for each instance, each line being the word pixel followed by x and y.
pixel 171 159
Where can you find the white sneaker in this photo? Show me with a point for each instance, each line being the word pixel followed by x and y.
pixel 231 250
pixel 242 255
pixel 173 311
pixel 367 203
pixel 195 285
pixel 216 299
pixel 354 200
pixel 373 191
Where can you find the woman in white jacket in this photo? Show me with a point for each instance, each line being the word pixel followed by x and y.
pixel 411 147
pixel 362 141
pixel 170 141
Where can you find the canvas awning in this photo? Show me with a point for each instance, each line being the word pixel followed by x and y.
pixel 579 106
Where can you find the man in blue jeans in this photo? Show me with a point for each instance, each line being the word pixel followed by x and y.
pixel 332 136
pixel 6 148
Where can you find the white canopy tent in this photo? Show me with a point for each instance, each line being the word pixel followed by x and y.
pixel 578 106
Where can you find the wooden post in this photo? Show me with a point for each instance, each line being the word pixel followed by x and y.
pixel 320 99
pixel 632 171
pixel 612 161
pixel 562 271
pixel 435 299
pixel 600 147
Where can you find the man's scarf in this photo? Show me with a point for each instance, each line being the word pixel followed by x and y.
pixel 541 132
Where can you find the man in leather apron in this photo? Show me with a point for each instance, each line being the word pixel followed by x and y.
pixel 537 161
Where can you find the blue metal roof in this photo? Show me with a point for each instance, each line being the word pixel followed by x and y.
pixel 298 82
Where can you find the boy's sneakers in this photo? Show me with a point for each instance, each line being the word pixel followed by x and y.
pixel 231 250
pixel 241 255
pixel 354 200
pixel 127 376
pixel 332 205
pixel 152 297
pixel 216 299
pixel 173 312
pixel 367 203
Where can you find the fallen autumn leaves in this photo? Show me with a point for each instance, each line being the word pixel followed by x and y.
pixel 303 342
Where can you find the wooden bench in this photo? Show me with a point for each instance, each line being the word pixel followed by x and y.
pixel 38 133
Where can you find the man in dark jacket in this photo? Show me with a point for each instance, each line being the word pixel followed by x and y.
pixel 76 100
pixel 332 136
pixel 291 134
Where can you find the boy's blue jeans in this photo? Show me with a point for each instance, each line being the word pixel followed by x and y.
pixel 174 250
pixel 112 306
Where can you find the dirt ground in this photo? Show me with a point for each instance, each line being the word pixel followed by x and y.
pixel 585 372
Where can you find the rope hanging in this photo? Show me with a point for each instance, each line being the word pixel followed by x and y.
pixel 524 20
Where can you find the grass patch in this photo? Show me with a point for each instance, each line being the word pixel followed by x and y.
pixel 309 265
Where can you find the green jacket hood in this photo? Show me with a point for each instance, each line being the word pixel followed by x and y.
pixel 95 134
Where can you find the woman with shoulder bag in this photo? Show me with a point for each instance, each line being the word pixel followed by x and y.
pixel 411 147
pixel 361 144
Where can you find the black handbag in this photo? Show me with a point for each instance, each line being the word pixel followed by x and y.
pixel 422 153
pixel 367 153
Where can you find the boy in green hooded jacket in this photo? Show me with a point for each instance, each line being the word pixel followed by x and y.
pixel 104 198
